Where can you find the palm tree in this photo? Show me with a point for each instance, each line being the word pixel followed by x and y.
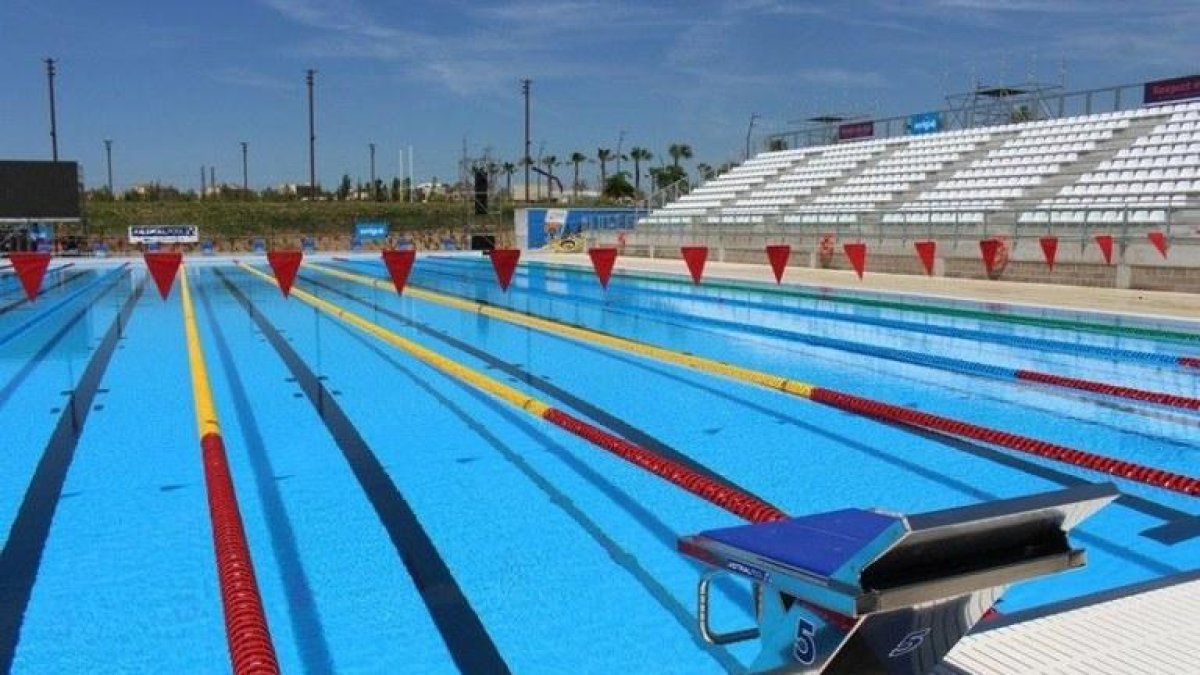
pixel 550 161
pixel 705 171
pixel 577 158
pixel 639 155
pixel 604 155
pixel 679 151
pixel 509 169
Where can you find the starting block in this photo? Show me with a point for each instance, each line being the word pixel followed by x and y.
pixel 858 591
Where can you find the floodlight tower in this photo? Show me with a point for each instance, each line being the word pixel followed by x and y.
pixel 312 137
pixel 525 90
pixel 50 72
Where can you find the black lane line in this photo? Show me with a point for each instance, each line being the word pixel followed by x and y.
pixel 303 613
pixel 597 414
pixel 40 355
pixel 5 309
pixel 22 554
pixel 736 593
pixel 465 636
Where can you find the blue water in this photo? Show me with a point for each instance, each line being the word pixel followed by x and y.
pixel 564 553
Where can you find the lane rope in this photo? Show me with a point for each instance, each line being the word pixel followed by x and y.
pixel 251 651
pixel 727 497
pixel 848 402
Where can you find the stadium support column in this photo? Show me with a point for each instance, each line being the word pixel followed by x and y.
pixel 312 138
pixel 50 71
pixel 108 162
pixel 525 90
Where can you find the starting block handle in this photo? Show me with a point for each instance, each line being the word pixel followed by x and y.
pixel 702 598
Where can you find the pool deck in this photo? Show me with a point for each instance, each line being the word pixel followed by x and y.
pixel 1109 300
pixel 1140 631
pixel 1154 631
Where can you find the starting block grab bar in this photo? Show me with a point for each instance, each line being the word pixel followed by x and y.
pixel 860 591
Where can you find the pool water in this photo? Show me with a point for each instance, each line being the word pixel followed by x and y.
pixel 401 521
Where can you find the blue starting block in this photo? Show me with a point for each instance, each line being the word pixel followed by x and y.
pixel 857 591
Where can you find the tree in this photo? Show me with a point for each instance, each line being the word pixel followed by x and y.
pixel 396 186
pixel 668 176
pixel 776 144
pixel 509 169
pixel 705 171
pixel 639 155
pixel 617 186
pixel 679 151
pixel 577 158
pixel 604 156
pixel 550 161
pixel 344 188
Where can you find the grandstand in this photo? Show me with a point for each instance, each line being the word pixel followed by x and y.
pixel 1123 172
pixel 1109 167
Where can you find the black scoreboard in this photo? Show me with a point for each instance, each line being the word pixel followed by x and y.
pixel 39 190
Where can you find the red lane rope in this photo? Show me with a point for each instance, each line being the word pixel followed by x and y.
pixel 1189 361
pixel 246 630
pixel 731 499
pixel 1110 389
pixel 1116 467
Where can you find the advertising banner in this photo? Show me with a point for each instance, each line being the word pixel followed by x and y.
pixel 164 234
pixel 854 130
pixel 924 123
pixel 1175 89
pixel 370 231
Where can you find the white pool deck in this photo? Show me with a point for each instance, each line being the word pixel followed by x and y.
pixel 1145 631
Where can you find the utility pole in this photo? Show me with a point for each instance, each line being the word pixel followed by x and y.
pixel 312 138
pixel 245 170
pixel 525 90
pixel 50 71
pixel 108 159
pixel 203 185
pixel 212 180
pixel 749 130
pixel 372 147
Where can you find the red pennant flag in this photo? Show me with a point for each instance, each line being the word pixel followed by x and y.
pixel 31 270
pixel 988 249
pixel 504 261
pixel 285 264
pixel 399 264
pixel 1050 250
pixel 778 254
pixel 163 265
pixel 1160 242
pixel 1105 241
pixel 926 250
pixel 857 253
pixel 695 256
pixel 603 259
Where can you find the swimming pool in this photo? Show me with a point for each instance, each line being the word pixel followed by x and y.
pixel 400 521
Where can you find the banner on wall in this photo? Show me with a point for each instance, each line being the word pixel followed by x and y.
pixel 924 123
pixel 164 234
pixel 855 130
pixel 1175 89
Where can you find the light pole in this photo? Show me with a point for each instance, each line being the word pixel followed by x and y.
pixel 372 147
pixel 312 138
pixel 50 71
pixel 749 130
pixel 108 161
pixel 245 169
pixel 525 90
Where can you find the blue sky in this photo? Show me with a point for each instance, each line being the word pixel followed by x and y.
pixel 177 85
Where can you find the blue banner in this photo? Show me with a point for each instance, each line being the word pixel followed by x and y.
pixel 371 231
pixel 545 225
pixel 924 123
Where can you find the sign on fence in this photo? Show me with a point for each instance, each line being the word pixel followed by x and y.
pixel 163 234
